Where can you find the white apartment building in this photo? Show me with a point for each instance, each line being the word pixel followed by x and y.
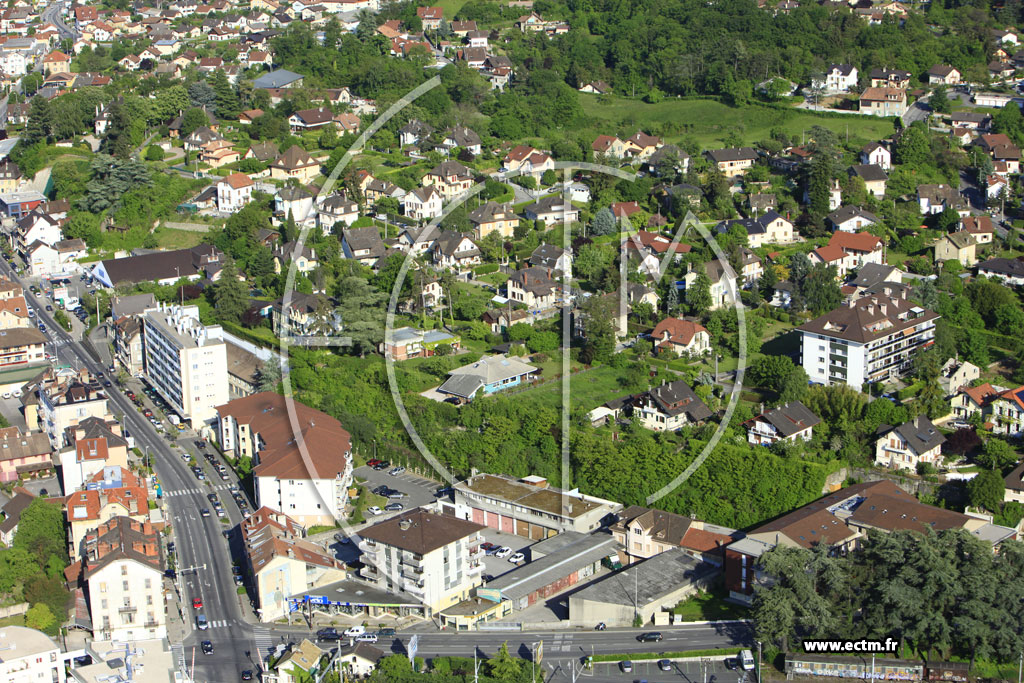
pixel 302 468
pixel 437 559
pixel 234 192
pixel 185 361
pixel 871 339
pixel 29 656
pixel 124 573
pixel 66 406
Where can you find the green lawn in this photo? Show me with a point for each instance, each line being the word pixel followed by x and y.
pixel 710 606
pixel 587 389
pixel 169 238
pixel 709 121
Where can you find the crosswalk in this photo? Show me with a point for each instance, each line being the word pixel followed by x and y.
pixel 220 623
pixel 562 642
pixel 194 491
pixel 264 640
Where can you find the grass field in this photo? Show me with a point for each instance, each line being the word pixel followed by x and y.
pixel 709 121
pixel 710 606
pixel 587 389
pixel 169 238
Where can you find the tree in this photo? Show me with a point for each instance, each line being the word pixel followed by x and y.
pixel 362 310
pixel 603 223
pixel 40 618
pixel 41 532
pixel 269 376
pixel 940 101
pixel 771 372
pixel 599 327
pixel 230 294
pixel 543 342
pixel 913 147
pixel 986 490
pixel 38 126
pixel 193 119
pixel 549 177
pixel 698 295
pixel 962 441
pixel 202 95
pixel 820 289
pixel 503 666
pixel 932 400
pixel 996 455
pixel 154 153
pixel 819 183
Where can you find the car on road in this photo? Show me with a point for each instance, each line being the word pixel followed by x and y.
pixel 374 510
pixel 212 497
pixel 517 558
pixel 366 638
pixel 197 603
pixel 328 634
pixel 247 675
pixel 503 552
pixel 386 631
pixel 354 631
pixel 394 507
pixel 201 623
pixel 207 647
pixel 650 637
pixel 665 664
pixel 398 470
pixel 205 512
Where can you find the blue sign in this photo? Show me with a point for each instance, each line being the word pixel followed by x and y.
pixel 318 599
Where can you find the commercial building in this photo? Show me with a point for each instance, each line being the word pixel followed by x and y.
pixel 185 361
pixel 871 339
pixel 435 558
pixel 302 457
pixel 29 656
pixel 282 562
pixel 528 507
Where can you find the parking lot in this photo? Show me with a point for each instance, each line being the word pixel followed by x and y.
pixel 496 566
pixel 418 490
pixel 708 670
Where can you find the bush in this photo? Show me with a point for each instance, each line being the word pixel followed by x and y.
pixel 154 153
pixel 485 268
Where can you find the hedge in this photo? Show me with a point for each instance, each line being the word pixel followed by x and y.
pixel 485 268
pixel 641 656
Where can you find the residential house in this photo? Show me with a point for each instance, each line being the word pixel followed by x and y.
pixel 334 209
pixel 490 374
pixel 493 217
pixel 454 251
pixel 414 132
pixel 295 201
pixel 311 119
pixel 645 532
pixel 423 203
pixel 404 343
pixel 971 120
pixel 450 178
pixel 534 288
pixel 27 454
pixel 669 407
pixel 683 337
pixel 525 160
pixel 871 339
pixel 851 219
pixel 128 344
pixel 733 161
pixel 552 258
pixel 723 283
pixel 889 78
pixel 787 422
pixel 609 146
pixel 112 492
pixel 957 246
pixel 979 227
pixel 769 228
pixel 298 663
pixel 875 153
pixel 304 258
pixel 234 192
pixel 873 176
pixel 883 101
pixel 907 446
pixel 1008 271
pixel 295 163
pixel 1006 413
pixel 943 74
pixel 957 375
pixel 461 137
pixel 431 17
pixel 12 510
pixel 362 244
pixel 552 210
pixel 849 251
pixel 308 479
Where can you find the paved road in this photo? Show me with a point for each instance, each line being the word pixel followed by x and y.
pixel 199 541
pixel 52 14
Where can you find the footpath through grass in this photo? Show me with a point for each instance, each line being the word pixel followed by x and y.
pixel 710 121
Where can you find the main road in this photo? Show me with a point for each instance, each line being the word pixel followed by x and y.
pixel 204 561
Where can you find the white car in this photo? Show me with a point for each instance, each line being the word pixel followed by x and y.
pixel 517 558
pixel 503 551
pixel 374 510
pixel 366 638
pixel 355 631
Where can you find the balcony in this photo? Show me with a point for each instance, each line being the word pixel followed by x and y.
pixel 474 568
pixel 414 561
pixel 368 547
pixel 414 588
pixel 125 609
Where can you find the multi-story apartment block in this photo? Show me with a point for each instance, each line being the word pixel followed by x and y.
pixel 123 569
pixel 128 345
pixel 528 507
pixel 302 468
pixel 112 492
pixel 282 562
pixel 437 559
pixel 30 656
pixel 871 339
pixel 185 361
pixel 64 404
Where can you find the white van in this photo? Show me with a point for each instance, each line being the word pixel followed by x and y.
pixel 355 631
pixel 747 660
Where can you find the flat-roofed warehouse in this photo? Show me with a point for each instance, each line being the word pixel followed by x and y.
pixel 528 507
pixel 644 588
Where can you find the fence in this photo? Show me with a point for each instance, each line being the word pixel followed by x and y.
pixel 13 610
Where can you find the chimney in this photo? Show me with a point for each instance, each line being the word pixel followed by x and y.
pixel 405 524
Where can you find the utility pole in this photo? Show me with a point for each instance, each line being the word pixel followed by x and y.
pixel 759 661
pixel 1020 666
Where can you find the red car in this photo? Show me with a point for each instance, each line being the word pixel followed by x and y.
pixel 197 603
pixel 372 463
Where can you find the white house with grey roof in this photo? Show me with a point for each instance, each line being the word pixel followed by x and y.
pixel 913 442
pixel 489 374
pixel 670 407
pixel 787 422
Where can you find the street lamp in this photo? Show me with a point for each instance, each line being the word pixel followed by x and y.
pixel 759 661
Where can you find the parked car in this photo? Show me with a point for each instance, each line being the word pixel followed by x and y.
pixel 398 470
pixel 394 507
pixel 503 552
pixel 626 666
pixel 382 465
pixel 488 547
pixel 396 495
pixel 374 510
pixel 665 664
pixel 372 463
pixel 516 558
